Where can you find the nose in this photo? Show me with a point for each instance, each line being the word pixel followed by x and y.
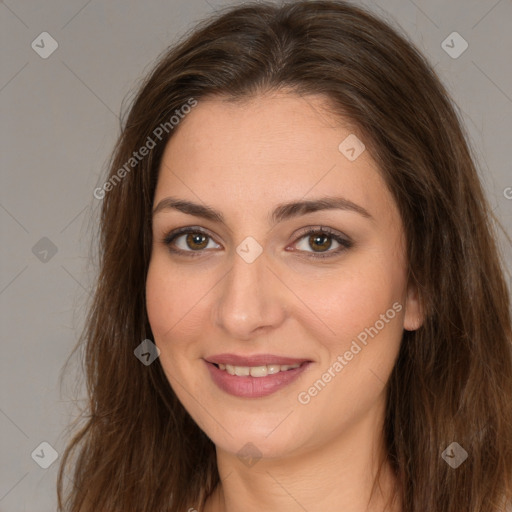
pixel 251 300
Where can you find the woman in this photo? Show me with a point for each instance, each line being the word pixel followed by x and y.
pixel 300 303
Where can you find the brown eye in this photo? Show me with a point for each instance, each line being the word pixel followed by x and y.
pixel 320 240
pixel 188 240
pixel 196 241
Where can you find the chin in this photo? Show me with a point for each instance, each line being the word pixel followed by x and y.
pixel 269 436
pixel 249 447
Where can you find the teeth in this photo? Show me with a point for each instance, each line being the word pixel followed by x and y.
pixel 242 371
pixel 259 371
pixel 273 368
pixel 256 371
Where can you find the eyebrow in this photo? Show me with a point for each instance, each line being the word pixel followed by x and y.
pixel 282 212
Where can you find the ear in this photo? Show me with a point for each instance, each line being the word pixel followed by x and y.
pixel 414 315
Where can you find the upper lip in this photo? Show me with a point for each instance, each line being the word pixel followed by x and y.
pixel 255 360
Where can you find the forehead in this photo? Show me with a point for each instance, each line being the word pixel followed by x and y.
pixel 272 130
pixel 266 150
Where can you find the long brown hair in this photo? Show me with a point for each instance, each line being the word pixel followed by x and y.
pixel 138 449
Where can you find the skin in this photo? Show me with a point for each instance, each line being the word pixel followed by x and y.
pixel 244 159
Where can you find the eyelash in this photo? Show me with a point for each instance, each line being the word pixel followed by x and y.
pixel 344 243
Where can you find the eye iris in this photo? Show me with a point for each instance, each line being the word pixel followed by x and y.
pixel 195 238
pixel 314 241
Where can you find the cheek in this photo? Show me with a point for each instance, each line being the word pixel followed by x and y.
pixel 342 304
pixel 177 308
pixel 365 310
pixel 366 316
pixel 172 297
pixel 165 303
pixel 160 299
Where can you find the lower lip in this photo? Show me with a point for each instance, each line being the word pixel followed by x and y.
pixel 253 387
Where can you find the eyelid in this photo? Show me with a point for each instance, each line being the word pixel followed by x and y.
pixel 344 241
pixel 318 228
pixel 172 235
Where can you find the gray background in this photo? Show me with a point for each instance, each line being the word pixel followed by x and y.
pixel 60 119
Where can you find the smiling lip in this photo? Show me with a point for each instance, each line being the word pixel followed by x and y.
pixel 257 360
pixel 253 387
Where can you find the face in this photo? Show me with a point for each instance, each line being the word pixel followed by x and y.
pixel 242 283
